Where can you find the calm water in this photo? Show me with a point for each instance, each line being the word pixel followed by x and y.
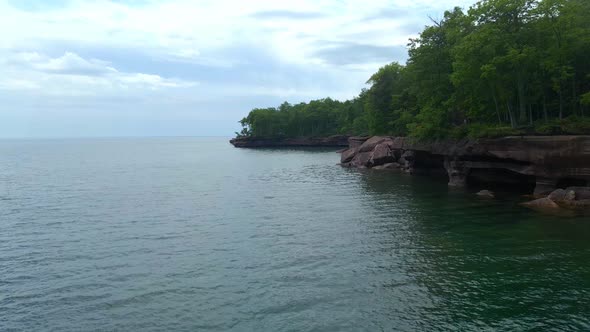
pixel 192 234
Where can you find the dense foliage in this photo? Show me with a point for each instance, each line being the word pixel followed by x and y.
pixel 503 67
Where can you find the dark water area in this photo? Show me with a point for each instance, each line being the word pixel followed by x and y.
pixel 191 234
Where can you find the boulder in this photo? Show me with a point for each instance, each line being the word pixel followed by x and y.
pixel 371 143
pixel 391 166
pixel 583 204
pixel 382 154
pixel 559 195
pixel 580 192
pixel 356 141
pixel 388 166
pixel 541 204
pixel 485 194
pixel 397 143
pixel 347 155
pixel 361 159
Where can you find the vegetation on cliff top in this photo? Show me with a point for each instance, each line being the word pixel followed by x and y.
pixel 503 67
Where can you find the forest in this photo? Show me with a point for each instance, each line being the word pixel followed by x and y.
pixel 503 67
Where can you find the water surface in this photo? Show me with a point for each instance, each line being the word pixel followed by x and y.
pixel 191 234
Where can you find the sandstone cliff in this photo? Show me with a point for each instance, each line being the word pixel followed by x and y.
pixel 544 163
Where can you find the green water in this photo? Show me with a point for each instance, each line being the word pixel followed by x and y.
pixel 191 234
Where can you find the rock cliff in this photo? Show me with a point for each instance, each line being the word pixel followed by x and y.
pixel 543 163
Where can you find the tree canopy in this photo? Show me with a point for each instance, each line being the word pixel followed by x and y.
pixel 502 67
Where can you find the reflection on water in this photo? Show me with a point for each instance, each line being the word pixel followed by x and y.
pixel 485 263
pixel 192 234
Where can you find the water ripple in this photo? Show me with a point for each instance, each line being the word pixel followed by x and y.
pixel 191 234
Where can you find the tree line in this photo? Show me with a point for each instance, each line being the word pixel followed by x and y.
pixel 503 67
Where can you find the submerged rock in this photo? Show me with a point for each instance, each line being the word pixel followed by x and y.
pixel 562 195
pixel 580 192
pixel 388 166
pixel 486 194
pixel 582 204
pixel 391 166
pixel 541 204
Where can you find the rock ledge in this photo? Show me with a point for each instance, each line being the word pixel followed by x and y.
pixel 544 163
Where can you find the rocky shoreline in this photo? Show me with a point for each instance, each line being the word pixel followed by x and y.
pixel 268 142
pixel 555 168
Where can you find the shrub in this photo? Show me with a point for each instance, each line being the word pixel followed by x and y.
pixel 572 125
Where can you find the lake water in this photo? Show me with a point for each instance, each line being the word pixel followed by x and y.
pixel 191 234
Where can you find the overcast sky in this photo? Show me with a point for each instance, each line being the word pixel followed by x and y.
pixel 188 68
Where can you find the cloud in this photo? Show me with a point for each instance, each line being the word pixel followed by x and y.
pixel 347 53
pixel 287 14
pixel 205 60
pixel 388 14
pixel 71 63
pixel 152 81
pixel 71 74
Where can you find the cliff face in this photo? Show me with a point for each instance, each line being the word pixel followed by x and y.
pixel 262 142
pixel 543 162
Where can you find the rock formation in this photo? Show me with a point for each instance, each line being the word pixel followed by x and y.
pixel 572 198
pixel 485 194
pixel 543 163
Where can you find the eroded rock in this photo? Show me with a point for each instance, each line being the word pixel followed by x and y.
pixel 541 203
pixel 357 141
pixel 361 159
pixel 457 171
pixel 347 155
pixel 388 166
pixel 580 192
pixel 562 195
pixel 382 154
pixel 485 194
pixel 583 204
pixel 543 161
pixel 371 143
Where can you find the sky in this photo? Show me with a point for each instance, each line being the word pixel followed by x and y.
pixel 72 68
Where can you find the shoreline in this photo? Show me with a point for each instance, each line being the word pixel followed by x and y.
pixel 340 141
pixel 554 169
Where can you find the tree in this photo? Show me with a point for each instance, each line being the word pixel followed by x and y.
pixel 508 66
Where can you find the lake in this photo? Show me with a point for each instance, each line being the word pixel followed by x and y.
pixel 192 234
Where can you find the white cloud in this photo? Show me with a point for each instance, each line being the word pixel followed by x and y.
pixel 70 74
pixel 74 64
pixel 184 28
pixel 97 52
pixel 153 81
